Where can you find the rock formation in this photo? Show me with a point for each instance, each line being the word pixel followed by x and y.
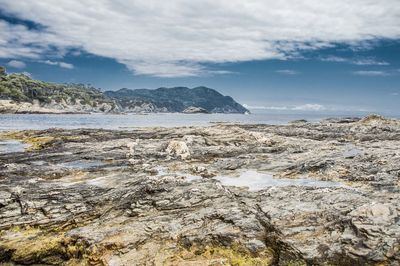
pixel 195 110
pixel 178 148
pixel 73 196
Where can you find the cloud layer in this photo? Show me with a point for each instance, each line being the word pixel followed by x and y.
pixel 57 63
pixel 16 64
pixel 287 72
pixel 372 73
pixel 303 107
pixel 368 61
pixel 179 37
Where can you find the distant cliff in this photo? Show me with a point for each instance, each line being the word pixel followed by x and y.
pixel 175 99
pixel 22 94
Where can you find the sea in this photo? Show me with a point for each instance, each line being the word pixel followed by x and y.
pixel 131 121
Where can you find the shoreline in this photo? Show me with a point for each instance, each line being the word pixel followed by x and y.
pixel 165 120
pixel 112 113
pixel 179 194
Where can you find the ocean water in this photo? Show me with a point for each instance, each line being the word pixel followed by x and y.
pixel 129 121
pixel 7 146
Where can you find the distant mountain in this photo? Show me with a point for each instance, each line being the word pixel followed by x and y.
pixel 22 94
pixel 175 99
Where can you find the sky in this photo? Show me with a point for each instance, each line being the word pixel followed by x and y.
pixel 276 55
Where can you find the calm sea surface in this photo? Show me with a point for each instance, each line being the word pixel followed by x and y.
pixel 107 121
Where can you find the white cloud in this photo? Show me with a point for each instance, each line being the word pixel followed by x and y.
pixel 370 62
pixel 372 73
pixel 179 37
pixel 357 61
pixel 27 74
pixel 287 72
pixel 395 94
pixel 60 64
pixel 16 64
pixel 310 107
pixel 259 107
pixel 302 107
pixel 66 65
pixel 334 59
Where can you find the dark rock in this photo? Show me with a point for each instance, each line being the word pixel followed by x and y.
pixel 299 121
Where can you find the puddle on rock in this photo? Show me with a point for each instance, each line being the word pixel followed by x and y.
pixel 82 164
pixel 39 163
pixel 8 146
pixel 257 181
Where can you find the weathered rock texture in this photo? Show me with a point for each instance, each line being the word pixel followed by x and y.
pixel 93 197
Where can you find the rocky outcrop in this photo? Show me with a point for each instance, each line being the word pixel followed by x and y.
pixel 130 198
pixel 178 148
pixel 63 107
pixel 195 110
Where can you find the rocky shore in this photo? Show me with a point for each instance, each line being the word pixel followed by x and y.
pixel 322 193
pixel 11 107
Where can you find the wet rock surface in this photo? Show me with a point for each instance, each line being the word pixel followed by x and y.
pixel 154 196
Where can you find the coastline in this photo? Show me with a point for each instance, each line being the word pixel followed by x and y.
pixel 132 121
pixel 176 195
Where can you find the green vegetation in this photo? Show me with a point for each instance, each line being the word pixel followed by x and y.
pixel 21 88
pixel 2 71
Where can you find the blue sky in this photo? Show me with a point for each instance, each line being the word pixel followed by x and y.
pixel 303 56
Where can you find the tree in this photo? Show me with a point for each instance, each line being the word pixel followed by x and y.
pixel 2 71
